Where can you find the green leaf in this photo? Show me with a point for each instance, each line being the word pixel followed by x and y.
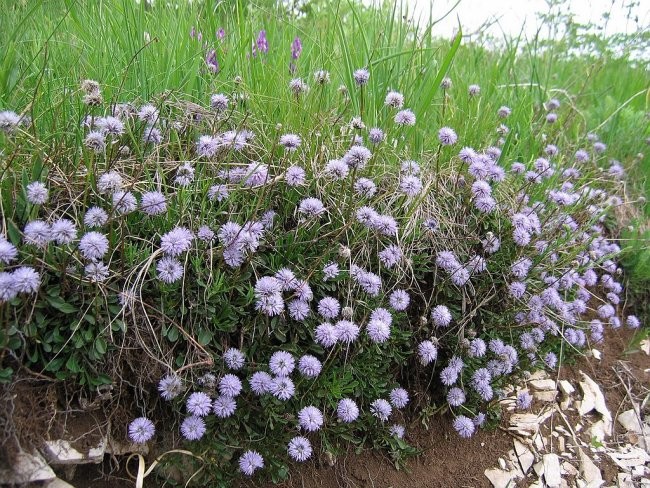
pixel 205 336
pixel 61 305
pixel 100 345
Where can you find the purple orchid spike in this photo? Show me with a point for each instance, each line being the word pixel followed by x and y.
pixel 262 42
pixel 296 48
pixel 211 61
pixel 221 34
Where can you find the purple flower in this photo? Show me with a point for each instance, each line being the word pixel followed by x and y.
pixel 219 102
pixel 329 307
pixel 124 202
pixel 234 358
pixel 447 136
pixel 176 241
pixel 357 157
pixel 37 193
pixel 169 270
pixel 477 348
pixel 193 428
pixel 96 271
pixel 282 388
pixel 299 449
pixel 8 251
pixel 291 142
pixel 296 48
pixel 37 233
pixel 261 382
pixel 221 33
pixel 394 99
pixel 326 335
pixel 399 300
pixel 7 287
pixel 250 461
pixel 346 331
pixel 151 135
pixel 330 271
pixel 170 387
pixel 266 286
pixel 405 117
pixel 337 169
pixel 297 86
pixel 410 185
pixel 262 43
pixel 397 431
pixel 517 289
pixel 464 426
pixel 205 234
pixel 474 90
pixel 93 245
pixel 446 83
pixel 309 366
pixel 282 363
pixel 378 331
pixel 376 135
pixel 310 419
pixel 456 397
pixel 381 409
pixel 361 76
pixel 551 118
pixel 427 352
pixel 25 280
pixel 211 61
pixel 399 397
pixel 95 141
pixel 581 156
pixel 199 404
pixel 441 316
pixel 224 406
pixel 524 400
pixel 504 112
pixel 321 77
pixel 311 207
pixel 230 385
pixel 95 217
pixel 390 256
pixel 141 430
pixel 295 176
pixel 63 231
pixel 347 410
pixel 633 322
pixel 153 203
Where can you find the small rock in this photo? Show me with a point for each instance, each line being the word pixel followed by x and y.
pixel 500 478
pixel 593 399
pixel 624 481
pixel 589 470
pixel 542 385
pixel 600 430
pixel 634 457
pixel 565 387
pixel 540 374
pixel 561 444
pixel 630 421
pixel 548 396
pixel 539 469
pixel 524 455
pixel 552 475
pixel 502 463
pixel 596 354
pixel 27 468
pixel 61 452
pixel 569 468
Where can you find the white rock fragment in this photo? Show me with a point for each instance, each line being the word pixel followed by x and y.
pixel 552 475
pixel 27 468
pixel 593 398
pixel 542 385
pixel 524 456
pixel 568 468
pixel 565 387
pixel 61 452
pixel 633 457
pixel 500 478
pixel 589 470
pixel 548 396
pixel 630 421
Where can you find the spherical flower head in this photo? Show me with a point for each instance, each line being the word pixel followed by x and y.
pixel 524 400
pixel 410 185
pixel 282 363
pixel 224 406
pixel 330 271
pixel 110 126
pixel 394 99
pixel 290 142
pixel 298 87
pixel 448 376
pixel 599 147
pixel 93 245
pixel 361 76
pixel 446 83
pixel 477 348
pixel 219 102
pixel 8 251
pixel 310 419
pixel 260 382
pixel 170 387
pixel 311 207
pixel 141 430
pixel 8 289
pixel 267 286
pixel 309 366
pixel 250 461
pixel 460 277
pixel 455 397
pixel 405 117
pixel 329 307
pixel 25 280
pixel 63 231
pixel 474 90
pixel 282 388
pixel 37 193
pixel 148 113
pixel 464 426
pixel 347 410
pixel 427 352
pixel 198 403
pixel 176 241
pixel 299 449
pixel 269 305
pixel 37 233
pixel 357 157
pixel 633 322
pixel 485 204
pixel 95 141
pixel 153 203
pixel 326 335
pixel 551 118
pixel 504 112
pixel 337 169
pixel 96 271
pixel 346 331
pixel 205 234
pixel 376 135
pixel 378 331
pixel 218 193
pixel 517 289
pixel 381 409
pixel 447 261
pixel 550 360
pixel 399 397
pixel 295 176
pixel 234 358
pixel 124 202
pixel 9 121
pixel 230 385
pixel 390 256
pixel 321 77
pixel 151 135
pixel 441 316
pixel 399 300
pixel 109 183
pixel 193 428
pixel 397 430
pixel 169 270
pixel 447 136
pixel 581 156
